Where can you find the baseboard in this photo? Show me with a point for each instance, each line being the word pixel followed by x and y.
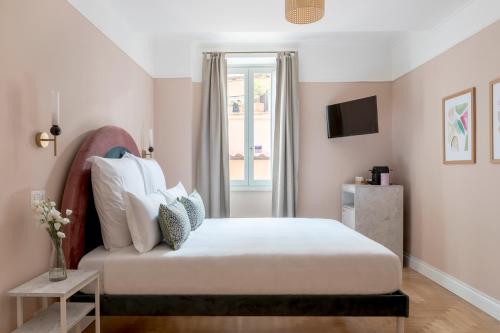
pixel 477 298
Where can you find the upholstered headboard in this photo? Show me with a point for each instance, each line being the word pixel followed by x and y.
pixel 83 233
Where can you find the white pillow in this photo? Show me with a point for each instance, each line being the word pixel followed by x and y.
pixel 142 218
pixel 175 192
pixel 110 179
pixel 154 179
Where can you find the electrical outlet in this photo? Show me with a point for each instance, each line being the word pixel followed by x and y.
pixel 38 195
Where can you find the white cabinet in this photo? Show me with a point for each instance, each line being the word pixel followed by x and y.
pixel 376 212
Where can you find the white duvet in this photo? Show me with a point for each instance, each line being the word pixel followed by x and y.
pixel 254 256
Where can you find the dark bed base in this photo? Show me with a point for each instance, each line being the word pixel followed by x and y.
pixel 387 305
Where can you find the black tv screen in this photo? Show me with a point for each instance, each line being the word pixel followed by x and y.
pixel 352 118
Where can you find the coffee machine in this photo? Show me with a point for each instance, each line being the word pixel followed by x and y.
pixel 376 172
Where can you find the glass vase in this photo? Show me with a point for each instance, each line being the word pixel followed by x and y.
pixel 57 271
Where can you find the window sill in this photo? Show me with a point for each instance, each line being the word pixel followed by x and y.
pixel 251 188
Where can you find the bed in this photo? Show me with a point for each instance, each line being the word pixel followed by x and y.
pixel 243 267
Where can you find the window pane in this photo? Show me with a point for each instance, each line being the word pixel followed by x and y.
pixel 236 125
pixel 262 85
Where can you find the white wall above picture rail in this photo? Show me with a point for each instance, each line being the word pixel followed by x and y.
pixel 417 47
pixel 355 42
pixel 342 57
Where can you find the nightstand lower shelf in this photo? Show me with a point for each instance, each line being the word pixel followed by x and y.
pixel 48 320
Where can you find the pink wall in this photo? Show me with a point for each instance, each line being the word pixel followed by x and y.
pixel 452 211
pixel 325 164
pixel 177 111
pixel 48 45
pixel 196 123
pixel 173 110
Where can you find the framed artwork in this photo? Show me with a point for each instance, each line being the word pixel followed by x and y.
pixel 459 128
pixel 495 120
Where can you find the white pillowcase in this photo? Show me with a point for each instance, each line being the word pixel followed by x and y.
pixel 175 192
pixel 142 218
pixel 110 179
pixel 154 179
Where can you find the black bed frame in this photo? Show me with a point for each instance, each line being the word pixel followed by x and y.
pixel 387 305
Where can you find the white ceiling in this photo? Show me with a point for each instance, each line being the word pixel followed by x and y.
pixel 153 17
pixel 165 37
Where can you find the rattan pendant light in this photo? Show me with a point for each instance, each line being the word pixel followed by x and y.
pixel 304 11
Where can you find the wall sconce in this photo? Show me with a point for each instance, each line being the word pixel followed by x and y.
pixel 42 139
pixel 149 152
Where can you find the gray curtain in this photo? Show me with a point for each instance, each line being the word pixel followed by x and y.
pixel 213 160
pixel 286 137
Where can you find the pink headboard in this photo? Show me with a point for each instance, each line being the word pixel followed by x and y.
pixel 84 232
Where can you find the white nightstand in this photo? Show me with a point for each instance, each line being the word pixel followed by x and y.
pixel 61 316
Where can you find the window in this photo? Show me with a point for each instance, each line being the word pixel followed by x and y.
pixel 250 114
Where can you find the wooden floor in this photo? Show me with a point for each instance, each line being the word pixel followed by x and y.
pixel 432 309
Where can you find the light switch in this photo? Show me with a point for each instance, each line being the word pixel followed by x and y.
pixel 37 195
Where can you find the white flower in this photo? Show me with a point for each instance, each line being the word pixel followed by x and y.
pixel 39 210
pixel 65 220
pixel 52 204
pixel 54 215
pixel 57 225
pixel 69 212
pixel 61 234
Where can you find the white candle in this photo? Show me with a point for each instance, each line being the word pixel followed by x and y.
pixel 151 138
pixel 56 108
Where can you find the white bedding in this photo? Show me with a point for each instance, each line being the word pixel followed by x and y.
pixel 254 256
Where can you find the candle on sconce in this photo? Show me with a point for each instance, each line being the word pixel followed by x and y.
pixel 148 151
pixel 151 144
pixel 56 108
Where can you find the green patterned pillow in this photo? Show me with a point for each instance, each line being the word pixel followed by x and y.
pixel 174 224
pixel 195 209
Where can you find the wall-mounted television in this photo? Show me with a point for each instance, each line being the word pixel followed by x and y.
pixel 356 117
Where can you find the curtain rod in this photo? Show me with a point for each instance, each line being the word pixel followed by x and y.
pixel 249 52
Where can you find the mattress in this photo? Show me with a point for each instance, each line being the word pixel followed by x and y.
pixel 253 256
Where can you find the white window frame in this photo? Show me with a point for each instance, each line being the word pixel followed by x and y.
pixel 250 184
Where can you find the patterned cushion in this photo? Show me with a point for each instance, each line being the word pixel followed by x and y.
pixel 174 224
pixel 195 209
